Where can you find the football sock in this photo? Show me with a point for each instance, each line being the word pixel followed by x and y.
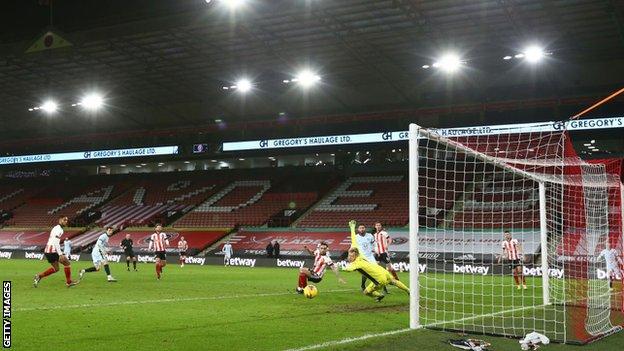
pixel 67 270
pixel 128 264
pixel 401 286
pixel 107 269
pixel 394 274
pixel 134 264
pixel 47 272
pixel 303 280
pixel 523 280
pixel 515 275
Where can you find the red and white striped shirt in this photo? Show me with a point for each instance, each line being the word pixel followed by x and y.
pixel 160 241
pixel 54 241
pixel 382 241
pixel 321 262
pixel 510 247
pixel 182 245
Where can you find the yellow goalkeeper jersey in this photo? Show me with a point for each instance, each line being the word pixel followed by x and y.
pixel 371 270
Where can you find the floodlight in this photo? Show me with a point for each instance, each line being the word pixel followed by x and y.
pixel 306 78
pixel 92 101
pixel 448 63
pixel 533 54
pixel 243 85
pixel 49 106
pixel 233 4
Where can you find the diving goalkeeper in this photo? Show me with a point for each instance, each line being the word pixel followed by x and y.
pixel 378 275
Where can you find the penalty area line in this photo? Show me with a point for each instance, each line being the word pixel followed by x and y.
pixel 350 340
pixel 141 302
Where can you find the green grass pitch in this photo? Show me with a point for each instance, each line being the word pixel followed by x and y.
pixel 222 308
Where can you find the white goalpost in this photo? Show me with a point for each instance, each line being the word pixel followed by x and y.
pixel 466 191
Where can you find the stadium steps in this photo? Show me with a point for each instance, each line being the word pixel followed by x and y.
pixel 449 219
pixel 106 202
pixel 218 243
pixel 318 203
pixel 8 196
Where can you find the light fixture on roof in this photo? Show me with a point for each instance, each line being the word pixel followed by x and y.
pixel 425 66
pixel 218 120
pixel 448 63
pixel 49 106
pixel 122 165
pixel 92 101
pixel 243 85
pixel 306 78
pixel 593 141
pixel 533 53
pixel 233 4
pixel 508 57
pixel 143 164
pixel 187 162
pixel 241 159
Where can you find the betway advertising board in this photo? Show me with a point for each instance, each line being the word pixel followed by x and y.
pixel 424 267
pixel 448 267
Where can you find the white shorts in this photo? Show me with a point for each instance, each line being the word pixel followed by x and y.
pixel 97 257
pixel 227 257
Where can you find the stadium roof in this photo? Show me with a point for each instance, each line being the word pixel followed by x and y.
pixel 162 64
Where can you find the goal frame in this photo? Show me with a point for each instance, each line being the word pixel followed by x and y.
pixel 416 133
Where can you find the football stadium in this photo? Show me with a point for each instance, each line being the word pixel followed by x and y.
pixel 312 174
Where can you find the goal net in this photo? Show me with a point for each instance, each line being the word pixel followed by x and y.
pixel 565 214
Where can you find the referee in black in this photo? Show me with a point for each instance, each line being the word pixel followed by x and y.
pixel 126 244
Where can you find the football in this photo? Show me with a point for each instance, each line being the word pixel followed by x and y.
pixel 310 291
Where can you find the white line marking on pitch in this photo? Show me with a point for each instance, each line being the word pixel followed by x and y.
pixel 399 331
pixel 482 316
pixel 350 340
pixel 118 303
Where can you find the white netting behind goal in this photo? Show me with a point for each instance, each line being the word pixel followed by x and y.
pixel 562 211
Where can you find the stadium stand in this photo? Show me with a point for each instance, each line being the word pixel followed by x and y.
pixel 366 198
pixel 12 196
pixel 67 198
pixel 154 197
pixel 515 201
pixel 28 239
pixel 253 201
